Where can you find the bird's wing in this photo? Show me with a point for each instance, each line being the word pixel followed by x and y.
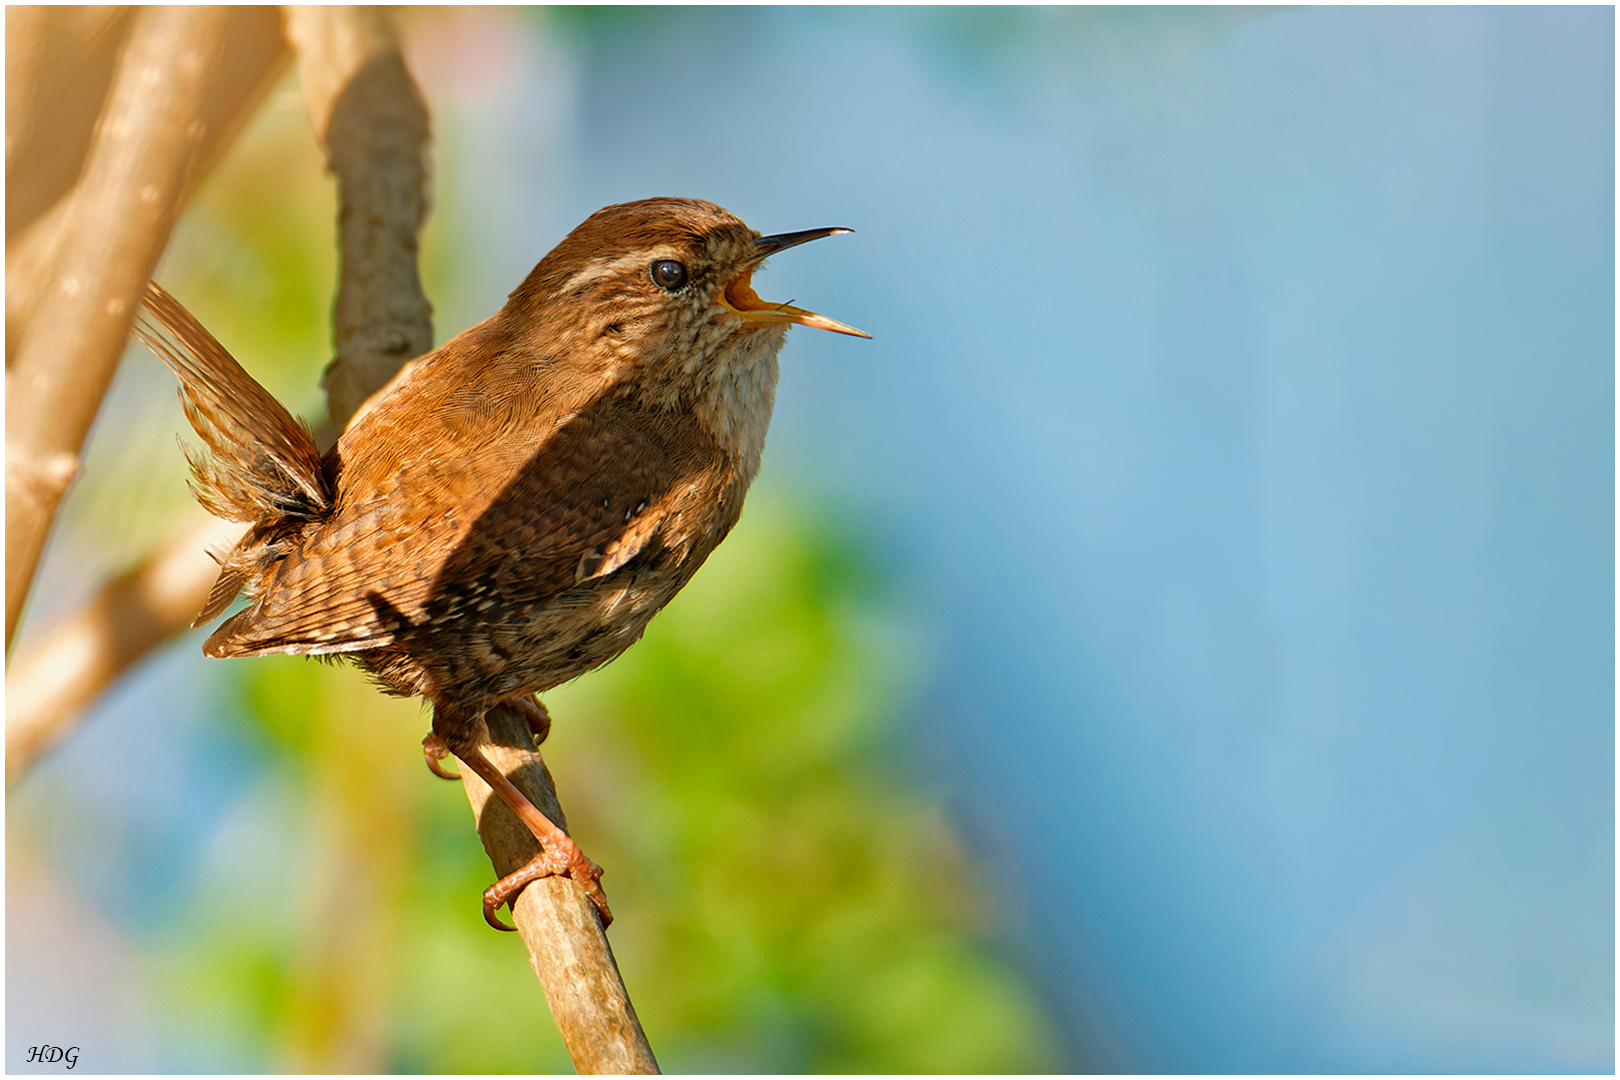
pixel 430 547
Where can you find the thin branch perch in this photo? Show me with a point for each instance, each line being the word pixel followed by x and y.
pixel 568 949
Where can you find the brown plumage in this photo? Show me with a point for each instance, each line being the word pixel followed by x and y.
pixel 515 507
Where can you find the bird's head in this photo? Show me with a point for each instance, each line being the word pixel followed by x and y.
pixel 656 298
pixel 664 282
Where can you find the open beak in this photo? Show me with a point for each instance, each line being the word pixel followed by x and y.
pixel 742 299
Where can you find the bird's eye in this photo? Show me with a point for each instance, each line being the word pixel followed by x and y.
pixel 668 274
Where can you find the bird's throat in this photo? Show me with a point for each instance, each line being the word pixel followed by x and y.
pixel 734 400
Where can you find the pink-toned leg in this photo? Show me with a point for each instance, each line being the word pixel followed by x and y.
pixel 559 855
pixel 435 751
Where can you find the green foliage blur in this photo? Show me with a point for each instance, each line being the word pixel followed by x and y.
pixel 787 898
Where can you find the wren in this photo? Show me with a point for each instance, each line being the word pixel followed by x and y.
pixel 512 510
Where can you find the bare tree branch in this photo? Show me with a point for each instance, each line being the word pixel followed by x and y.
pixel 25 46
pixel 58 671
pixel 120 221
pixel 59 64
pixel 371 119
pixel 53 676
pixel 380 226
pixel 252 53
pixel 30 262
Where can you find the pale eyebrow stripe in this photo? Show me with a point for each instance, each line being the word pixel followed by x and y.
pixel 601 268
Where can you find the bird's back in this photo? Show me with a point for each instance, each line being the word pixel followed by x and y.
pixel 485 522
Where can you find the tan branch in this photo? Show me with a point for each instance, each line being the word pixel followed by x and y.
pixel 252 55
pixel 123 210
pixel 97 644
pixel 61 669
pixel 53 676
pixel 567 948
pixel 30 263
pixel 59 64
pixel 25 48
pixel 367 112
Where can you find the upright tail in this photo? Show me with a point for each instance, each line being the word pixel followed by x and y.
pixel 258 464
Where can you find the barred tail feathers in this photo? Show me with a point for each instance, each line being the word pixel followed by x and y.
pixel 257 463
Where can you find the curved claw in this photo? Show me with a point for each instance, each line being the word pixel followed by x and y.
pixel 558 852
pixel 528 706
pixel 434 751
pixel 491 906
pixel 572 864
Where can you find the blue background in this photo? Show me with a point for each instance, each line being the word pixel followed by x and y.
pixel 1241 409
pixel 1239 420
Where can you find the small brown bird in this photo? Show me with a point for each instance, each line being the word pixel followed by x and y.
pixel 517 504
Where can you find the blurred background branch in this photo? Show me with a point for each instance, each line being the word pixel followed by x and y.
pixel 59 64
pixel 122 210
pixel 369 115
pixel 83 654
pixel 60 60
pixel 53 676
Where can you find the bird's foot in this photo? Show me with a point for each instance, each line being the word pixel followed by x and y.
pixel 528 706
pixel 559 860
pixel 435 751
pixel 559 855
